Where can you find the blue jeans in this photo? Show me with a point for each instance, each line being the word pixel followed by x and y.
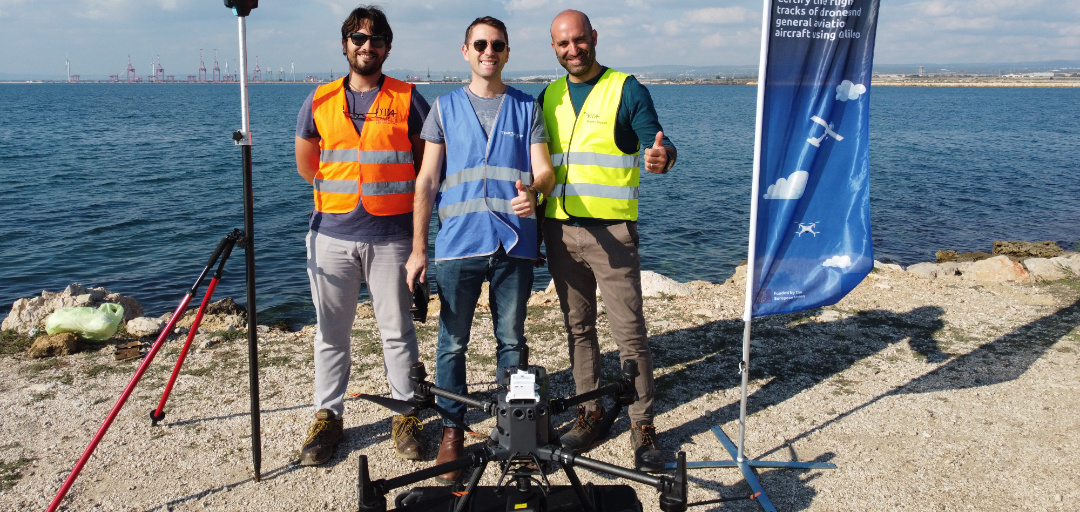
pixel 459 290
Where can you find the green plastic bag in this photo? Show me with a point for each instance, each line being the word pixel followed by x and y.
pixel 93 324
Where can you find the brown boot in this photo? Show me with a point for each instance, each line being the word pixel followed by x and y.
pixel 403 430
pixel 450 449
pixel 323 436
pixel 585 431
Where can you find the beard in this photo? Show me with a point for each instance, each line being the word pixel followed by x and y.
pixel 366 67
pixel 586 59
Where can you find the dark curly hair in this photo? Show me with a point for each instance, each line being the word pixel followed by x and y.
pixel 374 16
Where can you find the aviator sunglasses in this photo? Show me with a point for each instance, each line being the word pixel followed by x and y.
pixel 359 38
pixel 481 44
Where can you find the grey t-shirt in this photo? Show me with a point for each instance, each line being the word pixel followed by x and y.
pixel 487 111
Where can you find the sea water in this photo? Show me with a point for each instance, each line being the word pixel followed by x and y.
pixel 131 186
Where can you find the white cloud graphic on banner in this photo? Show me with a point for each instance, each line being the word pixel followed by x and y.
pixel 790 188
pixel 849 91
pixel 843 261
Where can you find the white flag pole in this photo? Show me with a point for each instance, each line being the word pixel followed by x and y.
pixel 739 460
pixel 751 252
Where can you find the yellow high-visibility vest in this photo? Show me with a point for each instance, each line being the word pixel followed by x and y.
pixel 593 177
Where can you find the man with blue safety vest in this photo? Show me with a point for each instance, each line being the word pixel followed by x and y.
pixel 485 161
pixel 358 144
pixel 598 120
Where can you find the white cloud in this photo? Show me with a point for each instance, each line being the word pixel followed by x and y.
pixel 719 16
pixel 849 91
pixel 842 261
pixel 790 188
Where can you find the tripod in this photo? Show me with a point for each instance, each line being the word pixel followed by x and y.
pixel 224 248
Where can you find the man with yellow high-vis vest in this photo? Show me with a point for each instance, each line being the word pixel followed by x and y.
pixel 358 144
pixel 598 120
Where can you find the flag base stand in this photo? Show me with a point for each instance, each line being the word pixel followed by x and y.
pixel 746 466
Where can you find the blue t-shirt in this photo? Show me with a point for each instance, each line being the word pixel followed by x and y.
pixel 359 225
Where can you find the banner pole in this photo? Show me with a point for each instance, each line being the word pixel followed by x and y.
pixel 751 251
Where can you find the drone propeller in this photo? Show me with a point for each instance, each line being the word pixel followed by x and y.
pixel 407 407
pixel 398 406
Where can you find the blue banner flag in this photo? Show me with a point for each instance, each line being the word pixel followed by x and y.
pixel 811 243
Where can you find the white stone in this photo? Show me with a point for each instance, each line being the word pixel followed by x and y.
pixel 998 269
pixel 1043 269
pixel 1070 262
pixel 925 269
pixel 887 266
pixel 144 326
pixel 654 285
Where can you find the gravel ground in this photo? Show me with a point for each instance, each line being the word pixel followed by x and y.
pixel 926 394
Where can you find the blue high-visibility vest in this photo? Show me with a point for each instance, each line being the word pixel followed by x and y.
pixel 474 197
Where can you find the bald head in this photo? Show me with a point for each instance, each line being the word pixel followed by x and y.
pixel 571 19
pixel 574 42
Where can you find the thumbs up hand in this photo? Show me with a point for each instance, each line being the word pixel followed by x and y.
pixel 524 203
pixel 656 157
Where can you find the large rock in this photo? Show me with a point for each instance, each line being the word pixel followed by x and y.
pixel 998 269
pixel 29 313
pixel 1042 269
pixel 223 315
pixel 655 285
pixel 739 277
pixel 1070 262
pixel 59 344
pixel 1019 249
pixel 960 257
pixel 935 270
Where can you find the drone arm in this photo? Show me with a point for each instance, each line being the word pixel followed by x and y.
pixel 624 390
pixel 487 407
pixel 569 458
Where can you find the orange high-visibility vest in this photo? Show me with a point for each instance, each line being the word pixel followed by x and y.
pixel 375 166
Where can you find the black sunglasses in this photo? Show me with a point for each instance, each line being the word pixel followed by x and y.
pixel 359 38
pixel 481 44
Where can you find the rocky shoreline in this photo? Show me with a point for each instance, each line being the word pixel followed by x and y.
pixel 952 387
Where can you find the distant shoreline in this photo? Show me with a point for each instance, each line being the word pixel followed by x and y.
pixel 876 81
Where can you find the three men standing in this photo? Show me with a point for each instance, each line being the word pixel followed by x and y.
pixel 486 159
pixel 358 143
pixel 599 119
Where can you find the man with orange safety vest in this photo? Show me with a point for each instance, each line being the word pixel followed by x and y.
pixel 358 144
pixel 599 119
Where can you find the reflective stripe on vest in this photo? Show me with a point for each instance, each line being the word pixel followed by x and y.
pixel 475 213
pixel 593 177
pixel 380 158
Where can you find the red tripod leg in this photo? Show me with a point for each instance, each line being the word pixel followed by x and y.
pixel 159 414
pixel 119 403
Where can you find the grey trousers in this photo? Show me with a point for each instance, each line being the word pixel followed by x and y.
pixel 335 269
pixel 580 258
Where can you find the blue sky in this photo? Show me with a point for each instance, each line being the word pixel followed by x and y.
pixel 99 35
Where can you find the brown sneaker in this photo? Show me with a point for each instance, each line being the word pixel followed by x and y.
pixel 450 449
pixel 585 430
pixel 323 437
pixel 643 442
pixel 403 430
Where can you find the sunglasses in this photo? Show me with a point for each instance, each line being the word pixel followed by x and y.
pixel 359 38
pixel 481 44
